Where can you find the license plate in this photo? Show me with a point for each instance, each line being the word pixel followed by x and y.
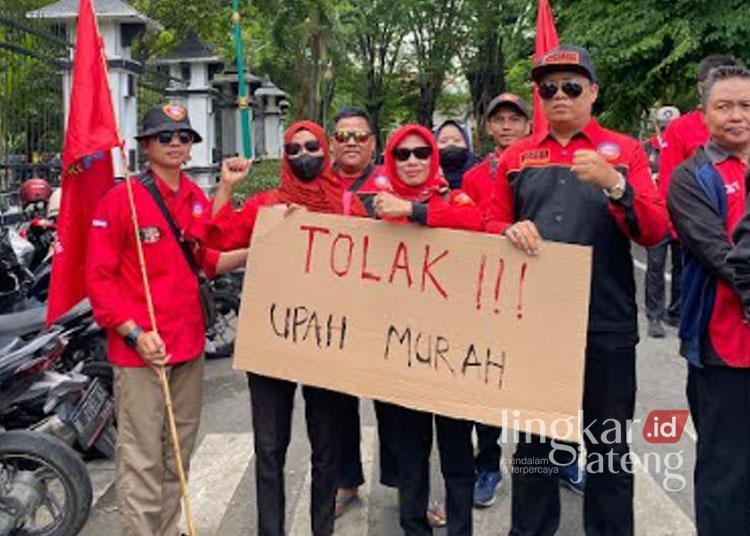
pixel 92 413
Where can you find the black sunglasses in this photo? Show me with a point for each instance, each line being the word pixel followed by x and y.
pixel 293 149
pixel 571 88
pixel 422 153
pixel 165 137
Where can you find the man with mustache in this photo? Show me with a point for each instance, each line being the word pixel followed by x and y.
pixel 706 202
pixel 353 144
pixel 579 183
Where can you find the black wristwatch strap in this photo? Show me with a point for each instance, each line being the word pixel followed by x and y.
pixel 131 339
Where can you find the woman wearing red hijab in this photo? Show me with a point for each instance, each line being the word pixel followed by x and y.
pixel 306 180
pixel 412 189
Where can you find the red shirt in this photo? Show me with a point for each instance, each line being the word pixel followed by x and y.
pixel 681 139
pixel 113 276
pixel 728 333
pixel 479 181
pixel 347 181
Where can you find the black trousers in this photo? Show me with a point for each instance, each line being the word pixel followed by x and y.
pixel 489 450
pixel 722 471
pixel 609 394
pixel 350 467
pixel 272 402
pixel 456 462
pixel 655 285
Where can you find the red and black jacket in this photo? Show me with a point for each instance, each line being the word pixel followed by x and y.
pixel 706 202
pixel 535 182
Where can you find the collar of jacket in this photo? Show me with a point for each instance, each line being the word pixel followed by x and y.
pixel 591 131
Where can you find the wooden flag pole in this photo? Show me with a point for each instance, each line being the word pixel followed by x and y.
pixel 161 371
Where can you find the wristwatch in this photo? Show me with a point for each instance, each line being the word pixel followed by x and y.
pixel 617 191
pixel 131 339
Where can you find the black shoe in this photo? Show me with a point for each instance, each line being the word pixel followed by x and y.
pixel 655 329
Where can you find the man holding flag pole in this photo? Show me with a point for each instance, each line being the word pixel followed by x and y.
pixel 139 258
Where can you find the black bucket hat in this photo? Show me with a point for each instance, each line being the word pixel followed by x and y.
pixel 168 117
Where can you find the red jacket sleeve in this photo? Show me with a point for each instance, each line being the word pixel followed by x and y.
pixel 232 229
pixel 457 212
pixel 499 214
pixel 107 240
pixel 641 213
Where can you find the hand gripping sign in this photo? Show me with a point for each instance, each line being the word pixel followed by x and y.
pixel 451 322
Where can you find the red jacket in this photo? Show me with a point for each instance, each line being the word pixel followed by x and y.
pixel 534 182
pixel 113 276
pixel 453 209
pixel 433 204
pixel 681 139
pixel 479 180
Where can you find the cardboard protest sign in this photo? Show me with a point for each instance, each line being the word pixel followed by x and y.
pixel 451 322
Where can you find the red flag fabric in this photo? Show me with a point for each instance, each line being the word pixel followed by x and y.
pixel 87 171
pixel 546 40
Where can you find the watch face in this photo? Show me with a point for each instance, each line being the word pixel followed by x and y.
pixel 616 193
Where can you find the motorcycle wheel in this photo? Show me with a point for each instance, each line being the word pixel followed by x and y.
pixel 220 336
pixel 58 472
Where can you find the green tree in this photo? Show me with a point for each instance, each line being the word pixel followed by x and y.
pixel 647 52
pixel 436 35
pixel 374 36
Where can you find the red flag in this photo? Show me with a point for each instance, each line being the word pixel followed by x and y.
pixel 87 171
pixel 546 40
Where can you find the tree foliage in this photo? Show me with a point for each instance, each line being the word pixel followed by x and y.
pixel 403 60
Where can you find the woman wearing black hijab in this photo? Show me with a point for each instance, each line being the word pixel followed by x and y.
pixel 455 156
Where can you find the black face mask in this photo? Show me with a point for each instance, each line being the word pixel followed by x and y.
pixel 453 156
pixel 306 167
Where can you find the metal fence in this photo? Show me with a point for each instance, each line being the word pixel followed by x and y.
pixel 31 111
pixel 33 59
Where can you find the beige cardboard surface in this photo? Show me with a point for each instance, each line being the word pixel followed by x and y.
pixel 452 322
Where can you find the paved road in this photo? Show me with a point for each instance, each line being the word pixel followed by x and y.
pixel 222 479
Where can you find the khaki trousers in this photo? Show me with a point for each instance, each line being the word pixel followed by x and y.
pixel 148 489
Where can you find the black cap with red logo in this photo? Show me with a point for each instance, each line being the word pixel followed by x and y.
pixel 565 58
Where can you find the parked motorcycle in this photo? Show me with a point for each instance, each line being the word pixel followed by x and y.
pixel 43 388
pixel 44 486
pixel 226 290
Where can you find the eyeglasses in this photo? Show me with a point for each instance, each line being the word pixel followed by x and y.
pixel 293 149
pixel 165 137
pixel 360 136
pixel 422 153
pixel 571 88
